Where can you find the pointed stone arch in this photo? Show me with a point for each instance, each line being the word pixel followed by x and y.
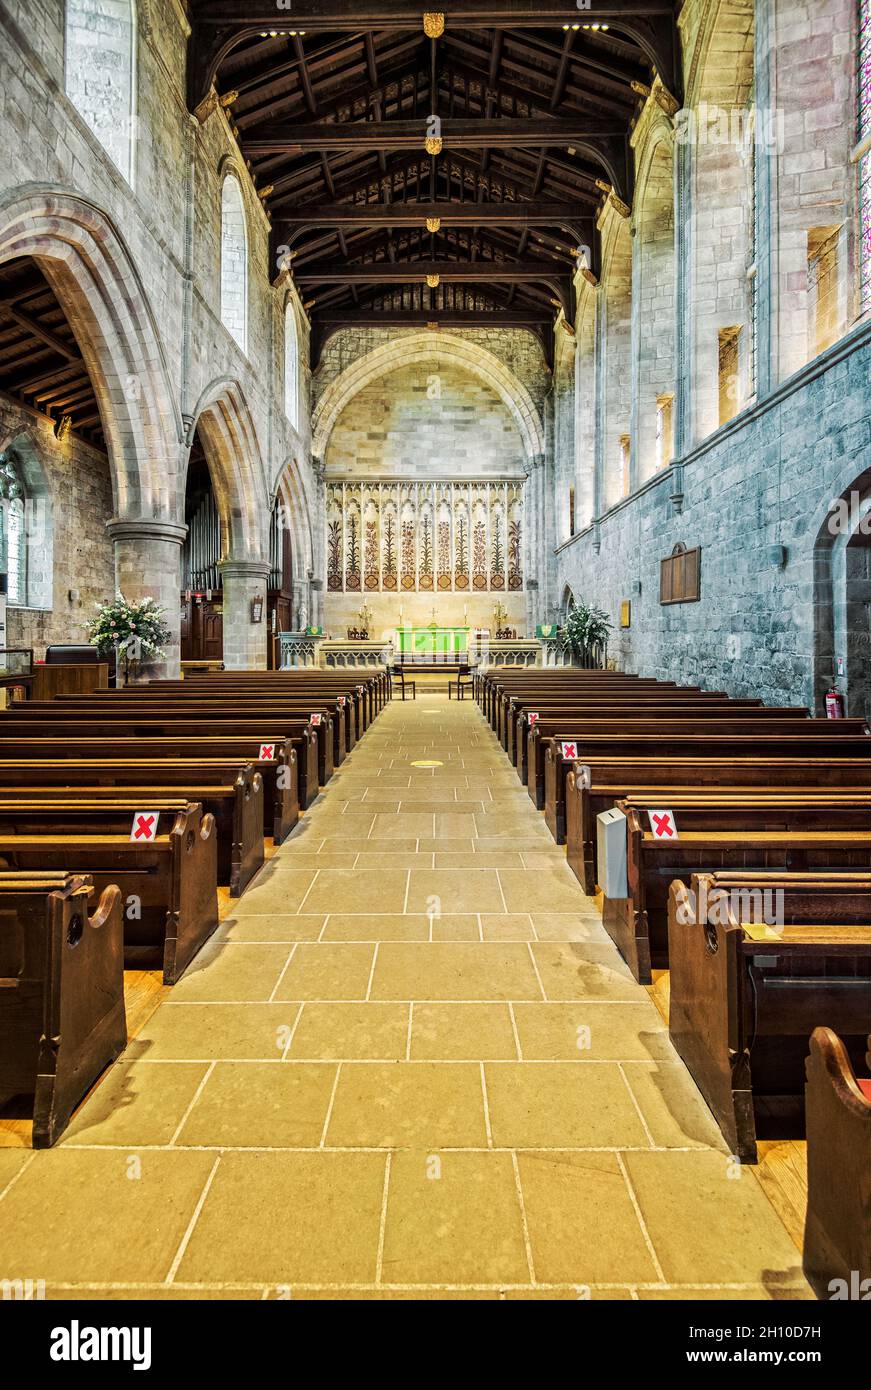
pixel 412 349
pixel 301 511
pixel 94 276
pixel 223 418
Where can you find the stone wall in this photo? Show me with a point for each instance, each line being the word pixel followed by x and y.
pixel 72 484
pixel 167 357
pixel 430 420
pixel 519 350
pixel 764 481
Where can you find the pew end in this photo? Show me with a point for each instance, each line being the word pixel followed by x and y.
pixel 837 1234
pixel 193 915
pixel 62 1015
pixel 703 1023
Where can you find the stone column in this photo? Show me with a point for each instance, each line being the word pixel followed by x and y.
pixel 244 640
pixel 148 565
pixel 683 273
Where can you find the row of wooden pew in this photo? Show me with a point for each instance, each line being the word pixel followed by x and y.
pixel 746 832
pixel 121 815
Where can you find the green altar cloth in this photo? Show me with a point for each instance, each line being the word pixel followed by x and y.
pixel 433 641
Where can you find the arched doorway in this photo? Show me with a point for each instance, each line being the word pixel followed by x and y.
pixel 224 430
pixel 279 592
pixel 202 599
pixel 842 601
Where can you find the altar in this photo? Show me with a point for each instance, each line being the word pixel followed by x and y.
pixel 433 641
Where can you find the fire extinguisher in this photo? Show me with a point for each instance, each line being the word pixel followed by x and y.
pixel 834 703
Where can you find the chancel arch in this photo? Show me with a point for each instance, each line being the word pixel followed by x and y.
pixel 425 468
pixel 419 348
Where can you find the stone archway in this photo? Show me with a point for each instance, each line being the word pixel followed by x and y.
pixel 229 439
pixel 94 276
pixel 413 349
pixel 842 600
pixel 301 514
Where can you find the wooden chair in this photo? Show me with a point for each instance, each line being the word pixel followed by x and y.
pixel 399 674
pixel 461 684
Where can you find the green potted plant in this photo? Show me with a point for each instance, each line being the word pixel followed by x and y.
pixel 584 635
pixel 134 630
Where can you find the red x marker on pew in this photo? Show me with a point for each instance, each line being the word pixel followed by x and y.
pixel 532 719
pixel 267 751
pixel 570 750
pixel 144 826
pixel 662 825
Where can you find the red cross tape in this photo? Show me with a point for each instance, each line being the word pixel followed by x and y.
pixel 569 750
pixel 662 825
pixel 315 720
pixel 532 719
pixel 267 752
pixel 144 825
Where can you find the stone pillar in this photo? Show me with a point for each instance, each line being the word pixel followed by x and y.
pixel 244 640
pixel 765 231
pixel 148 565
pixel 683 273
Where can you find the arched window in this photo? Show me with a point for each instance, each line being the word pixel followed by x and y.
pixel 864 85
pixel 234 262
pixel 291 367
pixel 101 73
pixel 25 531
pixel 16 555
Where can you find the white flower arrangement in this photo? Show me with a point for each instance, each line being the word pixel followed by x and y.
pixel 136 628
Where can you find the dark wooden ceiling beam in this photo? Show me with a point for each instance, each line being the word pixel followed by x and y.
pixel 220 27
pixel 38 330
pixel 460 134
pixel 512 214
pixel 509 272
pixel 399 318
pixel 314 15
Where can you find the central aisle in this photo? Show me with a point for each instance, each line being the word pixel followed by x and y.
pixel 411 1063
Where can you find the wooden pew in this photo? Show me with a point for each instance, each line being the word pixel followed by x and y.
pixel 520 715
pixel 169 885
pixel 185 723
pixel 753 834
pixel 209 780
pixel 371 689
pixel 596 786
pixel 237 810
pixel 277 771
pixel 566 692
pixel 497 687
pixel 62 1019
pixel 745 996
pixel 816 742
pixel 837 1233
pixel 331 725
pixel 669 722
pixel 342 709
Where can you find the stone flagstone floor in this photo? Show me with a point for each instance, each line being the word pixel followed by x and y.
pixel 411 1064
